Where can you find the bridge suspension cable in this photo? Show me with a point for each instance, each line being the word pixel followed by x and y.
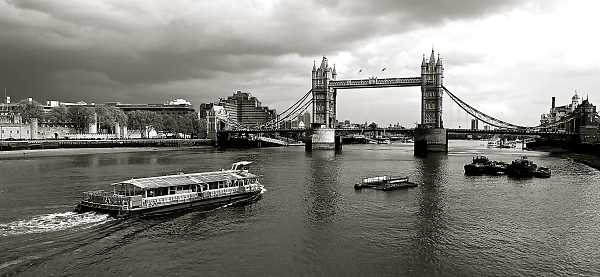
pixel 292 112
pixel 502 124
pixel 480 115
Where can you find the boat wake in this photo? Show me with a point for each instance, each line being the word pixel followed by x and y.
pixel 52 222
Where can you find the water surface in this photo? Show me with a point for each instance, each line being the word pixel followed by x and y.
pixel 310 221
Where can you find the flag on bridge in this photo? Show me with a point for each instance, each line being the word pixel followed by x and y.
pixel 383 69
pixel 360 71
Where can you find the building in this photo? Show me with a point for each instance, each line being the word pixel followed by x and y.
pixel 302 121
pixel 584 122
pixel 175 107
pixel 242 108
pixel 474 124
pixel 560 112
pixel 12 125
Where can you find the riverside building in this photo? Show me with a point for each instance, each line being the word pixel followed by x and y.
pixel 242 108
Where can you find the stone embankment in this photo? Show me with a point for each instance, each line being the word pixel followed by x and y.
pixel 588 154
pixel 54 144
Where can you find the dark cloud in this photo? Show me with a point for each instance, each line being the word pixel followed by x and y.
pixel 107 51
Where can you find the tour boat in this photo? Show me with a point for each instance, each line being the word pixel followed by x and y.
pixel 163 194
pixel 493 143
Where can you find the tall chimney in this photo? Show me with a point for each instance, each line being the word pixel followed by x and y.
pixel 553 102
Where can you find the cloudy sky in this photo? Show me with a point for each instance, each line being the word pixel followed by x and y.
pixel 506 58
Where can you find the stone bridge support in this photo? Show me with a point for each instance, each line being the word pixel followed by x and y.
pixel 430 140
pixel 322 138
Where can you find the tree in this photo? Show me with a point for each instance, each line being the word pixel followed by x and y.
pixel 108 117
pixel 192 123
pixel 144 121
pixel 58 115
pixel 29 109
pixel 373 125
pixel 169 123
pixel 81 117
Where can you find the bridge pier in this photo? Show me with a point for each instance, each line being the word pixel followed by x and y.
pixel 322 138
pixel 431 140
pixel 218 139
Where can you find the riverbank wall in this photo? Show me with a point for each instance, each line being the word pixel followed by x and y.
pixel 586 153
pixel 54 144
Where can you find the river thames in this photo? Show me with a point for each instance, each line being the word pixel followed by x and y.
pixel 310 221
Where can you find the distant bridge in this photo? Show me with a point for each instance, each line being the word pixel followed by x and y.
pixel 430 134
pixel 524 132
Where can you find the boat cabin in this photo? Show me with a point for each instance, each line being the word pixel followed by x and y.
pixel 157 192
pixel 183 183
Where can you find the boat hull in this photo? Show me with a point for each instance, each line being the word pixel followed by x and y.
pixel 201 204
pixel 396 186
pixel 474 169
pixel 542 172
pixel 520 171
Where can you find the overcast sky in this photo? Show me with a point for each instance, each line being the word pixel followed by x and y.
pixel 506 58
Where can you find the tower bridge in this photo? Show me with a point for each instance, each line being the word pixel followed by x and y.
pixel 430 134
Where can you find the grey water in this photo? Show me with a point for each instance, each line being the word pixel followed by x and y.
pixel 310 221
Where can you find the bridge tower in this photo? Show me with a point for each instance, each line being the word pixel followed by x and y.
pixel 321 134
pixel 430 135
pixel 432 76
pixel 324 96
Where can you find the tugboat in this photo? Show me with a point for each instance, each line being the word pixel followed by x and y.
pixel 521 168
pixel 477 166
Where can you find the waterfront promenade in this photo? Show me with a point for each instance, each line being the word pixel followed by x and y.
pixel 54 144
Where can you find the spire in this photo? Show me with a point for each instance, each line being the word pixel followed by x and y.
pixel 424 63
pixel 439 61
pixel 314 65
pixel 334 73
pixel 324 64
pixel 432 59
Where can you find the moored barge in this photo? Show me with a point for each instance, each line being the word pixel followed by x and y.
pixel 163 194
pixel 385 183
pixel 521 168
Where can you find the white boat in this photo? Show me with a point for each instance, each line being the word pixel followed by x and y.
pixel 157 195
pixel 493 143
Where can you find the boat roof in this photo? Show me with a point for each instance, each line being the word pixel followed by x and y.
pixel 187 179
pixel 242 163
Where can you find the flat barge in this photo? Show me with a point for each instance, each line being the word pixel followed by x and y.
pixel 164 194
pixel 385 183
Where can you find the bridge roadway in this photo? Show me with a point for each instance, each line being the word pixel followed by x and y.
pixel 376 83
pixel 407 131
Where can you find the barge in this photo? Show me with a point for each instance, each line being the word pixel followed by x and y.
pixel 481 165
pixel 385 183
pixel 164 194
pixel 521 168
